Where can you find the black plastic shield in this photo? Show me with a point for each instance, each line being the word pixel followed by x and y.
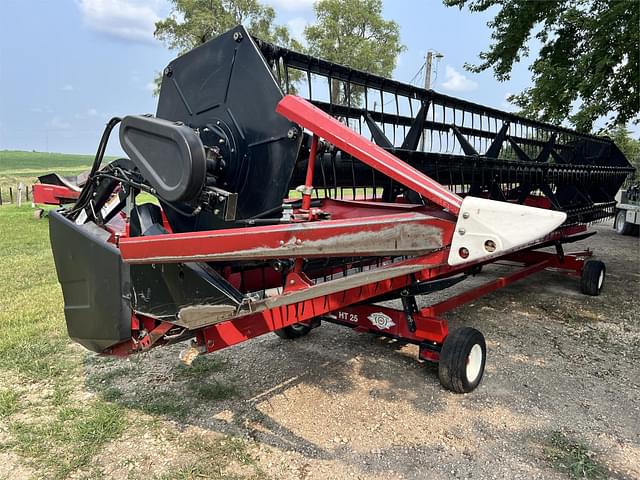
pixel 95 283
pixel 226 90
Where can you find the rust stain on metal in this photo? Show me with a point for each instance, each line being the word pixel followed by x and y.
pixel 194 316
pixel 197 316
pixel 412 237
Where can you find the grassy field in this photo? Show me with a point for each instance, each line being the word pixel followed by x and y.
pixel 58 419
pixel 25 167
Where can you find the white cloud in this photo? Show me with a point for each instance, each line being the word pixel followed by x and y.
pixel 132 20
pixel 58 123
pixel 67 88
pixel 296 27
pixel 292 5
pixel 42 109
pixel 457 82
pixel 150 86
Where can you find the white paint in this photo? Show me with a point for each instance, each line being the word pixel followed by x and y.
pixel 381 320
pixel 474 363
pixel 509 226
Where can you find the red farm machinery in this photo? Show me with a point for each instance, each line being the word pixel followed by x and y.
pixel 291 191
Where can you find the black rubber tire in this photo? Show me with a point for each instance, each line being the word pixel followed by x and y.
pixel 294 331
pixel 454 356
pixel 621 225
pixel 592 278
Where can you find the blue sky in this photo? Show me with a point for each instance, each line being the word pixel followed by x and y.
pixel 68 66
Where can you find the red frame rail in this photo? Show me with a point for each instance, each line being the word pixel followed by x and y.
pixel 44 194
pixel 302 299
pixel 430 329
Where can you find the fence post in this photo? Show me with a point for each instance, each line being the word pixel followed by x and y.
pixel 0 196
pixel 26 191
pixel 10 194
pixel 20 187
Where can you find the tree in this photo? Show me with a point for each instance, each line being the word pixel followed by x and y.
pixel 589 57
pixel 628 145
pixel 354 33
pixel 193 22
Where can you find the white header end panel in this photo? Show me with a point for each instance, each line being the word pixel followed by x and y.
pixel 487 227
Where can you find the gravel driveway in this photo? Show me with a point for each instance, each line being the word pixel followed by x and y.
pixel 561 388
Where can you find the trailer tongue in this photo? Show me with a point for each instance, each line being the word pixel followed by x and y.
pixel 275 211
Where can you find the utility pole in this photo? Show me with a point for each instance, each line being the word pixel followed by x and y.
pixel 428 67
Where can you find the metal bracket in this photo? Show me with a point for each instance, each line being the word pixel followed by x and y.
pixel 410 307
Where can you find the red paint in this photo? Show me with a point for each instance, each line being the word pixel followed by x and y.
pixel 312 118
pixel 361 317
pixel 44 194
pixel 242 242
pixel 308 184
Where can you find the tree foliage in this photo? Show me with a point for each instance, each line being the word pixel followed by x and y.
pixel 621 135
pixel 354 33
pixel 193 22
pixel 588 62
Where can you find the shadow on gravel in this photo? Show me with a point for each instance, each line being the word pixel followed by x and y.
pixel 366 403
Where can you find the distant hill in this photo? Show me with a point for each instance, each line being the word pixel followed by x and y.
pixel 19 166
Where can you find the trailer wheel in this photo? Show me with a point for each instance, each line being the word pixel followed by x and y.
pixel 297 330
pixel 621 225
pixel 462 360
pixel 592 279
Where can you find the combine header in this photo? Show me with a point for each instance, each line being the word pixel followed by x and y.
pixel 291 191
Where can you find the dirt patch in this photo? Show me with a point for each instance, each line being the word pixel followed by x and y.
pixel 337 404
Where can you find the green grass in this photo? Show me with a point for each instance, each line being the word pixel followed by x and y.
pixel 69 441
pixel 201 367
pixel 18 166
pixel 34 342
pixel 214 391
pixel 9 402
pixel 211 459
pixel 41 162
pixel 573 458
pixel 50 415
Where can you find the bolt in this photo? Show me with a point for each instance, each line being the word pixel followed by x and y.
pixel 168 71
pixel 298 242
pixel 210 342
pixel 281 242
pixel 291 282
pixel 221 141
pixel 462 231
pixel 178 123
pixel 292 133
pixel 465 215
pixel 237 36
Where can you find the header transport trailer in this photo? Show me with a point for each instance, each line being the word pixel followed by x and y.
pixel 291 191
